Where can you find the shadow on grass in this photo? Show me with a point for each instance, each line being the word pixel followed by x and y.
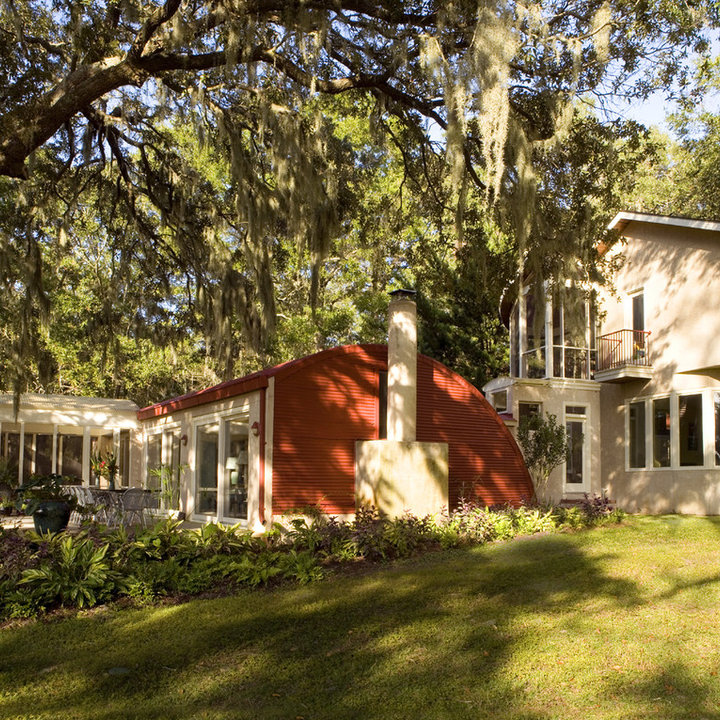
pixel 435 637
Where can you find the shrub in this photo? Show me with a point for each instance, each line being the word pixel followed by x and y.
pixel 76 574
pixel 99 564
pixel 544 445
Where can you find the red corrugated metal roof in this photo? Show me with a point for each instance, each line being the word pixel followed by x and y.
pixel 248 383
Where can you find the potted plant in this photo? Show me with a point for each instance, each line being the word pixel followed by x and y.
pixel 169 480
pixel 104 466
pixel 48 501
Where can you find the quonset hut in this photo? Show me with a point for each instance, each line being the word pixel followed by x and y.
pixel 343 427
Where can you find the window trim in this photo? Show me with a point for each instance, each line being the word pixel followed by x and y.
pixel 221 417
pixel 586 418
pixel 708 430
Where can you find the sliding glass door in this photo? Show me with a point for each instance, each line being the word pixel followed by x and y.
pixel 221 468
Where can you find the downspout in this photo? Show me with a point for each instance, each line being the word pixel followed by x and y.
pixel 261 488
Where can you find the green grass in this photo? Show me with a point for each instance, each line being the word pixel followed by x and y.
pixel 617 622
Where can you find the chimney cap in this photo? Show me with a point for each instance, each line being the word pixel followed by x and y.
pixel 403 294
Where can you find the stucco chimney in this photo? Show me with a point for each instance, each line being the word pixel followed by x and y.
pixel 402 366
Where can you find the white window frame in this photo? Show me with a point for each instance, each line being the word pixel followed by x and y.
pixel 220 417
pixel 585 417
pixel 708 429
pixel 165 452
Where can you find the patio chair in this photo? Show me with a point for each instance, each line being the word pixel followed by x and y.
pixel 134 504
pixel 109 508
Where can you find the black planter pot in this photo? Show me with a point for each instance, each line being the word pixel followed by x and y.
pixel 52 516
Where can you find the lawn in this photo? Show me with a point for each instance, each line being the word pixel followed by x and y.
pixel 616 622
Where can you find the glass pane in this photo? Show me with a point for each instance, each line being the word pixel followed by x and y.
pixel 534 324
pixel 499 399
pixel 691 431
pixel 124 459
pixel 661 432
pixel 638 311
pixel 206 461
pixel 716 401
pixel 534 363
pixel 637 435
pixel 236 470
pixel 69 448
pixel 153 461
pixel 172 472
pixel 28 456
pixel 575 321
pixel 11 450
pixel 527 409
pixel 101 446
pixel 575 363
pixel 43 454
pixel 574 465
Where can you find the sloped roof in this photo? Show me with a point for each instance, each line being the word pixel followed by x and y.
pixel 248 383
pixel 622 219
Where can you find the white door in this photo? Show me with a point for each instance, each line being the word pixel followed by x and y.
pixel 577 465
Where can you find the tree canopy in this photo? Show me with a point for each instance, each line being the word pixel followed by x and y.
pixel 198 174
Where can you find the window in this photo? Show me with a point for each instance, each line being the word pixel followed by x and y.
pixel 222 477
pixel 206 466
pixel 499 400
pixel 677 422
pixel 236 465
pixel 382 404
pixel 691 431
pixel 528 409
pixel 575 427
pixel 638 312
pixel 637 435
pixel 10 450
pixel 43 454
pixel 661 432
pixel 153 461
pixel 123 478
pixel 69 455
pixel 534 355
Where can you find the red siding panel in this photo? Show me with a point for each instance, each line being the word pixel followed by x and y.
pixel 323 407
pixel 485 463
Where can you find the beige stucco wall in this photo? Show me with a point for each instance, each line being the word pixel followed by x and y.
pixel 397 477
pixel 678 270
pixel 555 395
pixel 690 490
pixel 187 422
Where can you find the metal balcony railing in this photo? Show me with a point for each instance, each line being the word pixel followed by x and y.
pixel 624 347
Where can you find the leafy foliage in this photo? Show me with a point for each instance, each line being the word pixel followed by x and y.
pixel 192 190
pixel 544 444
pixel 38 573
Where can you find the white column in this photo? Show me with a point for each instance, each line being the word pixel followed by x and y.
pixel 53 466
pixel 708 422
pixel 21 452
pixel 549 354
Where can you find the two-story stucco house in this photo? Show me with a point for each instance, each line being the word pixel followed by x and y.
pixel 633 370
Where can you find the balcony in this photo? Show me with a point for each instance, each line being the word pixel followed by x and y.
pixel 624 355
